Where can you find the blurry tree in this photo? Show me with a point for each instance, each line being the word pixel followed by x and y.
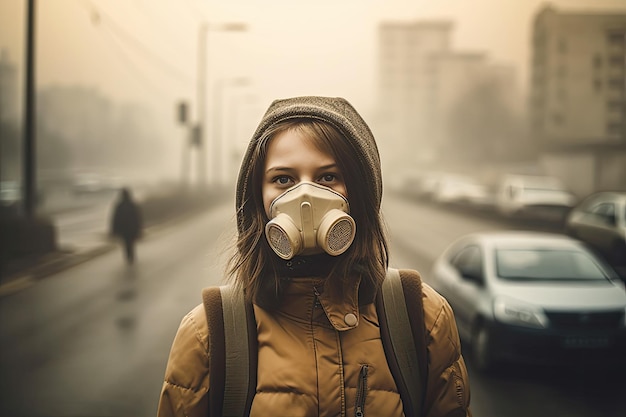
pixel 134 139
pixel 53 151
pixel 10 151
pixel 484 127
pixel 102 136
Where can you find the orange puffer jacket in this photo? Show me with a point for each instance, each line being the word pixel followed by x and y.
pixel 317 358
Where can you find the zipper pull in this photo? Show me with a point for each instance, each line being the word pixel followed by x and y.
pixel 361 392
pixel 317 297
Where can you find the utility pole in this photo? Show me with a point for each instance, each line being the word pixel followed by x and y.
pixel 218 103
pixel 201 142
pixel 29 165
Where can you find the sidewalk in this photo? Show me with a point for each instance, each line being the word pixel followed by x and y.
pixel 75 248
pixel 25 272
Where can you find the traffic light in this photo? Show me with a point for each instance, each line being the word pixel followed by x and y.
pixel 182 112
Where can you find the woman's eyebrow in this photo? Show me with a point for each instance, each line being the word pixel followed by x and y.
pixel 278 168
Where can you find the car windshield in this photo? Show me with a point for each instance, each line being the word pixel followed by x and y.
pixel 548 265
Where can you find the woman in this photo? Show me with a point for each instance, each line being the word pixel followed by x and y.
pixel 311 255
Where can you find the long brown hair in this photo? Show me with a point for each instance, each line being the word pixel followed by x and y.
pixel 254 265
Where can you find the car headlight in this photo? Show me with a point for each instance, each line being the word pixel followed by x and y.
pixel 519 313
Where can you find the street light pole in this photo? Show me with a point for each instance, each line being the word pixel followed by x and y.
pixel 29 165
pixel 217 131
pixel 202 91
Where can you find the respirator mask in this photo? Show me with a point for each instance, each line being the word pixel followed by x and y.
pixel 309 218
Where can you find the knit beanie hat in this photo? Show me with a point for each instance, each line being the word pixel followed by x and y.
pixel 333 110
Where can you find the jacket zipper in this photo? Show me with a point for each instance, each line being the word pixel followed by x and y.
pixel 318 303
pixel 361 392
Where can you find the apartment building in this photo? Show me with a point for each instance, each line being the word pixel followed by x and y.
pixel 578 96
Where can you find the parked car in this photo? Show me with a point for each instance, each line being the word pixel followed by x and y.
pixel 408 182
pixel 10 193
pixel 91 183
pixel 460 189
pixel 534 196
pixel 429 183
pixel 419 184
pixel 532 297
pixel 600 221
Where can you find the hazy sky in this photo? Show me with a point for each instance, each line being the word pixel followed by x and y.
pixel 146 50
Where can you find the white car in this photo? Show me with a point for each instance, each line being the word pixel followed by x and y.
pixel 534 196
pixel 90 183
pixel 459 189
pixel 10 193
pixel 531 296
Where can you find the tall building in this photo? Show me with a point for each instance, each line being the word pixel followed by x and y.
pixel 578 95
pixel 422 82
pixel 406 86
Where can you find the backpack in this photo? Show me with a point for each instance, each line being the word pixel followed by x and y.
pixel 233 343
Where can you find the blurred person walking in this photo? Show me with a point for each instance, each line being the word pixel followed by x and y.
pixel 311 266
pixel 127 223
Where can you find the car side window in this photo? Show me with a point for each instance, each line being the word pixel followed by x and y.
pixel 605 211
pixel 469 263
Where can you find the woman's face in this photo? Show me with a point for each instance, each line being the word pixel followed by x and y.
pixel 291 159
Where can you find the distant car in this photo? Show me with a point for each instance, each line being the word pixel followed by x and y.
pixel 428 184
pixel 460 189
pixel 532 297
pixel 406 182
pixel 419 184
pixel 600 221
pixel 534 196
pixel 10 193
pixel 91 183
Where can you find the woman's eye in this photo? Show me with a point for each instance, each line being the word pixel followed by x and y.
pixel 328 177
pixel 282 180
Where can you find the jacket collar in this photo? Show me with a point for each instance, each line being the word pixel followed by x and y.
pixel 342 310
pixel 302 294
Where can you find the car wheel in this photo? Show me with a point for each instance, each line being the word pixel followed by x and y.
pixel 482 357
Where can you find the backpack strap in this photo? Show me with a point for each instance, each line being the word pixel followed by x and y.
pixel 232 348
pixel 400 307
